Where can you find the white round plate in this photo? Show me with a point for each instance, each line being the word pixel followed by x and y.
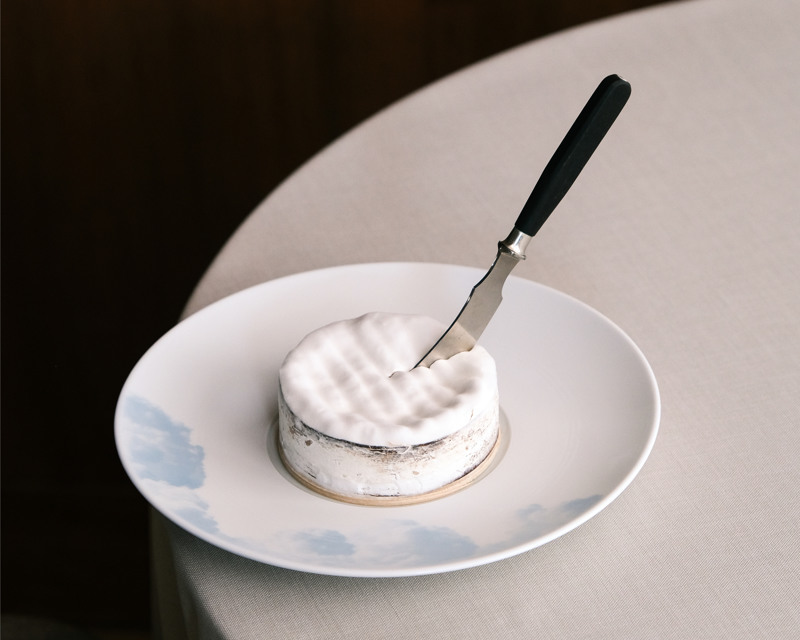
pixel 195 425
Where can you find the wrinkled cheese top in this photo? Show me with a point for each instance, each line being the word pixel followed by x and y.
pixel 338 381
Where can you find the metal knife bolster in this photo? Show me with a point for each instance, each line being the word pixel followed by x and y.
pixel 482 303
pixel 516 243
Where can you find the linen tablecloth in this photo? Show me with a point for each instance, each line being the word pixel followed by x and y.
pixel 684 230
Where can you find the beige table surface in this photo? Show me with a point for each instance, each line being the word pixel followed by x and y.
pixel 684 230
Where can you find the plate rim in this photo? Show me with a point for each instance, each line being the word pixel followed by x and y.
pixel 385 572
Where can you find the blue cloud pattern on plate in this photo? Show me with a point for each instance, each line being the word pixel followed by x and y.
pixel 160 448
pixel 405 543
pixel 325 542
pixel 164 459
pixel 166 462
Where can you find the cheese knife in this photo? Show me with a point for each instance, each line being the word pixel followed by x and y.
pixel 572 154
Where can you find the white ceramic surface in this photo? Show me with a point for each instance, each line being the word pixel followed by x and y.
pixel 196 418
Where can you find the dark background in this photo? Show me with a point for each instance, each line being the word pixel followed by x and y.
pixel 137 135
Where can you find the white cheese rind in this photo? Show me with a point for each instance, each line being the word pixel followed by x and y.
pixel 354 380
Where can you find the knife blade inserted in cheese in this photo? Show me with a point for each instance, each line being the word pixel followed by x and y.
pixel 572 154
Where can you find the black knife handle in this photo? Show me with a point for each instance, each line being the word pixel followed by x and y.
pixel 574 152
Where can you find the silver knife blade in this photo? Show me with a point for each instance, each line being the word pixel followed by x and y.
pixel 481 304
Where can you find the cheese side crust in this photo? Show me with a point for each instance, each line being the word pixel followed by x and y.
pixel 367 474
